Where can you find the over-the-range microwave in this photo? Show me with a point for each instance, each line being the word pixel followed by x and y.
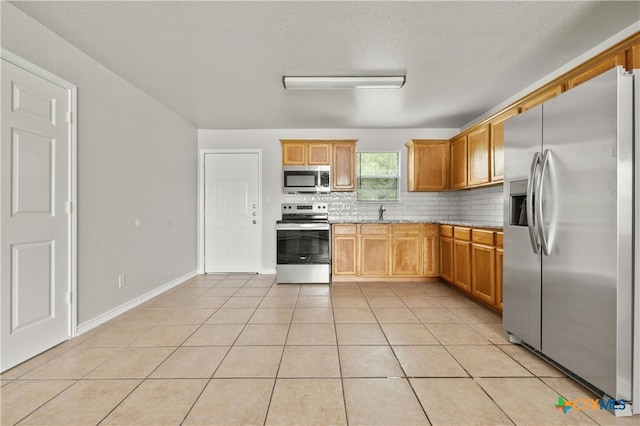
pixel 306 179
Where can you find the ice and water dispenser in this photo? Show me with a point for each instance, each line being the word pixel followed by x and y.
pixel 518 202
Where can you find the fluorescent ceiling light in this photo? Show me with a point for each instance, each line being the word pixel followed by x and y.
pixel 343 82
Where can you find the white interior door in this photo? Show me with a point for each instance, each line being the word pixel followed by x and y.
pixel 35 226
pixel 232 225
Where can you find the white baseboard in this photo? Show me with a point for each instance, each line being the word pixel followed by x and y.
pixel 268 272
pixel 101 319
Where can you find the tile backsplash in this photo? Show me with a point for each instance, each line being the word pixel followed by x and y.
pixel 480 206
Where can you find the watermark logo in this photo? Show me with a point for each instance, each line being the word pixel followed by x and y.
pixel 586 404
pixel 563 405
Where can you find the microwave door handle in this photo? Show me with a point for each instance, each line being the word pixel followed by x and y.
pixel 535 245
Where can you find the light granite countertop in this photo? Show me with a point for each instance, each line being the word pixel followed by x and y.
pixel 439 222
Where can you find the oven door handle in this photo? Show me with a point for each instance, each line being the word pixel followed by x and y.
pixel 302 227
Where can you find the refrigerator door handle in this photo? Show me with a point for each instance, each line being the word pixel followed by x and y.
pixel 531 223
pixel 544 241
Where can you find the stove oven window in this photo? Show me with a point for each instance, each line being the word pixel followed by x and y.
pixel 303 247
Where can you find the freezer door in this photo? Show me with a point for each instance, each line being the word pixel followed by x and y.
pixel 586 217
pixel 521 268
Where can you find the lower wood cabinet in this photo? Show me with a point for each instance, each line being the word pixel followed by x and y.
pixel 446 252
pixel 344 250
pixel 374 255
pixel 468 258
pixel 471 260
pixel 462 258
pixel 385 250
pixel 483 271
pixel 430 251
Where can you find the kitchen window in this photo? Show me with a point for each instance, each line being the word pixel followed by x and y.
pixel 378 176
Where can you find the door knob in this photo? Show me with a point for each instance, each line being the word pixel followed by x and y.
pixel 255 221
pixel 255 213
pixel 255 205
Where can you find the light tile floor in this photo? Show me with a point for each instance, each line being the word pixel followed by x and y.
pixel 239 349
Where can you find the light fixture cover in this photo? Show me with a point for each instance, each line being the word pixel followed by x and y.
pixel 394 82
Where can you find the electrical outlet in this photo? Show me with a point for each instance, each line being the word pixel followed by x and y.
pixel 122 281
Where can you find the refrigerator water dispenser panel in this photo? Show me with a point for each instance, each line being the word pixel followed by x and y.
pixel 518 202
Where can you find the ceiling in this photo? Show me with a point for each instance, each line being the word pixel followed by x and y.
pixel 219 64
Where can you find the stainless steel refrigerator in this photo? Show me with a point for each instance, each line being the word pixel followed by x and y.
pixel 569 287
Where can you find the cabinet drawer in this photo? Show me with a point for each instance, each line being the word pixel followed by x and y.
pixel 482 237
pixel 430 230
pixel 406 229
pixel 374 229
pixel 344 229
pixel 499 239
pixel 462 233
pixel 446 231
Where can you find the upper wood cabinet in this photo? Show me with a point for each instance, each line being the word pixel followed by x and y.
pixel 343 165
pixel 459 162
pixel 478 146
pixel 339 154
pixel 633 57
pixel 541 97
pixel 319 153
pixel 605 65
pixel 497 145
pixel 302 153
pixel 625 53
pixel 294 153
pixel 427 165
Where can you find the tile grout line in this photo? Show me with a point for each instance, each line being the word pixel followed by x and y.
pixel 335 328
pixel 150 373
pixel 275 378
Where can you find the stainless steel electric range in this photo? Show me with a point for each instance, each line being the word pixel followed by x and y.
pixel 304 244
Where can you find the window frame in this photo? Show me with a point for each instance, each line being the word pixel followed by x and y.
pixel 398 177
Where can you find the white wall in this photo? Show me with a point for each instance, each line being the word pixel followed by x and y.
pixel 136 160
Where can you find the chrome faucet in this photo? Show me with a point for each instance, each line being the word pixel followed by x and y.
pixel 381 211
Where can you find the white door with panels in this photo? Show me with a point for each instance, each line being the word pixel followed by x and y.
pixel 36 243
pixel 232 225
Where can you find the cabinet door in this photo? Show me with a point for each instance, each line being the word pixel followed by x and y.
pixel 459 162
pixel 542 96
pixel 499 281
pixel 606 65
pixel 497 145
pixel 428 165
pixel 462 264
pixel 430 256
pixel 478 150
pixel 633 57
pixel 483 273
pixel 406 255
pixel 318 153
pixel 374 255
pixel 446 259
pixel 343 173
pixel 344 252
pixel 294 153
